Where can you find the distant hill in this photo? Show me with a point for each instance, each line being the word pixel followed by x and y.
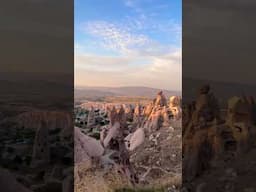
pixel 97 92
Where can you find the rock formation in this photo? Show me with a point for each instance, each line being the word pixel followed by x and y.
pixel 208 140
pixel 165 117
pixel 160 100
pixel 135 139
pixel 175 107
pixel 86 147
pixel 128 129
pixel 148 109
pixel 86 150
pixel 91 118
pixel 137 115
pixel 41 148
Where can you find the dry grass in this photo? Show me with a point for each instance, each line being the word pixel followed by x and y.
pixel 160 185
pixel 96 181
pixel 112 182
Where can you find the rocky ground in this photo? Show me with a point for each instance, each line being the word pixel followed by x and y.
pixel 156 161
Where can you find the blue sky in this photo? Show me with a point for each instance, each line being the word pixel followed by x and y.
pixel 128 43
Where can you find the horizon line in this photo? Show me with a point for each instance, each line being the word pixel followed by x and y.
pixel 87 86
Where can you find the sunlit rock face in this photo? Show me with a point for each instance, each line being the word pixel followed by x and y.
pixel 87 149
pixel 175 107
pixel 148 109
pixel 165 117
pixel 155 120
pixel 135 139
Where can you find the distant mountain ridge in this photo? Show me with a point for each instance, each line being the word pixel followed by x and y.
pixel 121 91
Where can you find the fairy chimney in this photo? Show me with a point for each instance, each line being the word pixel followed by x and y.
pixel 128 112
pixel 137 115
pixel 148 109
pixel 122 117
pixel 154 119
pixel 165 116
pixel 41 148
pixel 174 106
pixel 91 118
pixel 238 110
pixel 160 100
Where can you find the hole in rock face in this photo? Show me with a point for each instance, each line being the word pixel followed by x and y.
pixel 230 145
pixel 114 144
pixel 136 179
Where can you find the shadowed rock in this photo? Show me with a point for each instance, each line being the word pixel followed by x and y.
pixel 91 118
pixel 160 100
pixel 41 148
pixel 8 183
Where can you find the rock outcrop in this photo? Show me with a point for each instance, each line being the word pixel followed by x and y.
pixel 41 148
pixel 210 142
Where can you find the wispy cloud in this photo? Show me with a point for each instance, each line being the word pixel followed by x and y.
pixel 162 71
pixel 133 5
pixel 145 49
pixel 141 60
pixel 103 63
pixel 129 3
pixel 116 38
pixel 123 40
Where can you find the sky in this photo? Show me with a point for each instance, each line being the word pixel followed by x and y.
pixel 128 43
pixel 217 40
pixel 33 41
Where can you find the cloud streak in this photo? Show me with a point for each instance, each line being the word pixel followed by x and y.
pixel 130 51
pixel 115 38
pixel 153 71
pixel 124 41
